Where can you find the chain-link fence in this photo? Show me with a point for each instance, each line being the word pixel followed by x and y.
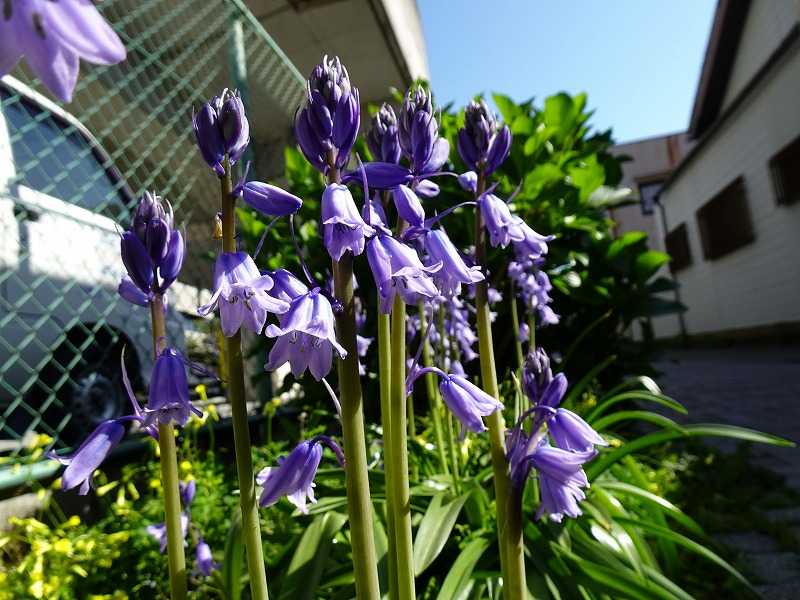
pixel 69 177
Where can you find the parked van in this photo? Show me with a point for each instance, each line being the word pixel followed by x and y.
pixel 62 324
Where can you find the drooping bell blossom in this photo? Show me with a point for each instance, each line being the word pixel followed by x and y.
pixel 294 475
pixel 503 227
pixel 468 181
pixel 397 269
pixel 481 143
pixel 221 128
pixel 343 227
pixel 466 401
pixel 328 123
pixel 286 286
pixel 240 291
pixel 419 133
pixel 382 138
pixel 567 430
pixel 168 396
pixel 380 175
pixel 533 286
pixel 205 560
pixel 53 37
pixel 533 245
pixel 427 189
pixel 408 205
pixel 82 463
pixel 132 293
pixel 269 200
pixel 159 532
pixel 306 336
pixel 187 491
pixel 560 473
pixel 152 250
pixel 454 270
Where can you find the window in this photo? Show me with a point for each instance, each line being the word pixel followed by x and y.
pixel 52 157
pixel 724 221
pixel 785 170
pixel 648 195
pixel 677 245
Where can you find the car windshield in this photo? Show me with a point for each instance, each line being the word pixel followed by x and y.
pixel 53 157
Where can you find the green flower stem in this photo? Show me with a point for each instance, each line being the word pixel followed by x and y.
pixel 359 503
pixel 168 457
pixel 385 368
pixel 435 402
pixel 251 529
pixel 520 403
pixel 444 353
pixel 401 497
pixel 512 555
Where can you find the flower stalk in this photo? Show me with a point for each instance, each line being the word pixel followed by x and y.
pixel 359 505
pixel 169 475
pixel 251 529
pixel 401 499
pixel 512 556
pixel 385 367
pixel 433 394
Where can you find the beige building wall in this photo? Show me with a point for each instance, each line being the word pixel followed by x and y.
pixel 758 284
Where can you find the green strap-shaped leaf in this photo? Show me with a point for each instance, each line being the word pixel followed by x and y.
pixel 233 561
pixel 689 544
pixel 636 415
pixel 434 530
pixel 635 395
pixel 310 557
pixel 607 459
pixel 457 580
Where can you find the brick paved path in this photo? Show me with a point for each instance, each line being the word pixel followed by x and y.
pixel 756 387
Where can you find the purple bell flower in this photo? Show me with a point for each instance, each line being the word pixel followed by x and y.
pixel 168 398
pixel 53 37
pixel 397 269
pixel 454 270
pixel 533 286
pixel 205 561
pixel 409 208
pixel 82 463
pixel 329 121
pixel 561 479
pixel 380 175
pixel 343 227
pixel 537 376
pixel 285 286
pixel 294 475
pixel 269 200
pixel 466 401
pixel 306 336
pixel 533 245
pixel 152 251
pixel 480 143
pixel 427 189
pixel 468 181
pixel 240 291
pixel 187 491
pixel 382 138
pixel 418 129
pixel 159 532
pixel 132 293
pixel 221 128
pixel 503 227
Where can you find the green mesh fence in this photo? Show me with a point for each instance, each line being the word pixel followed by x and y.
pixel 69 174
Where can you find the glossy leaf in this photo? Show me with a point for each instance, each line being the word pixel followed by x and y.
pixel 458 578
pixel 435 529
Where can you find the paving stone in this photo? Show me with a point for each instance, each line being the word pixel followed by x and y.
pixel 748 542
pixel 781 591
pixel 784 515
pixel 774 567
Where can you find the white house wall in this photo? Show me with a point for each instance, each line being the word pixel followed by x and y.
pixel 758 284
pixel 768 22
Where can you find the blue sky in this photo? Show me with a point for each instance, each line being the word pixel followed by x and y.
pixel 638 60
